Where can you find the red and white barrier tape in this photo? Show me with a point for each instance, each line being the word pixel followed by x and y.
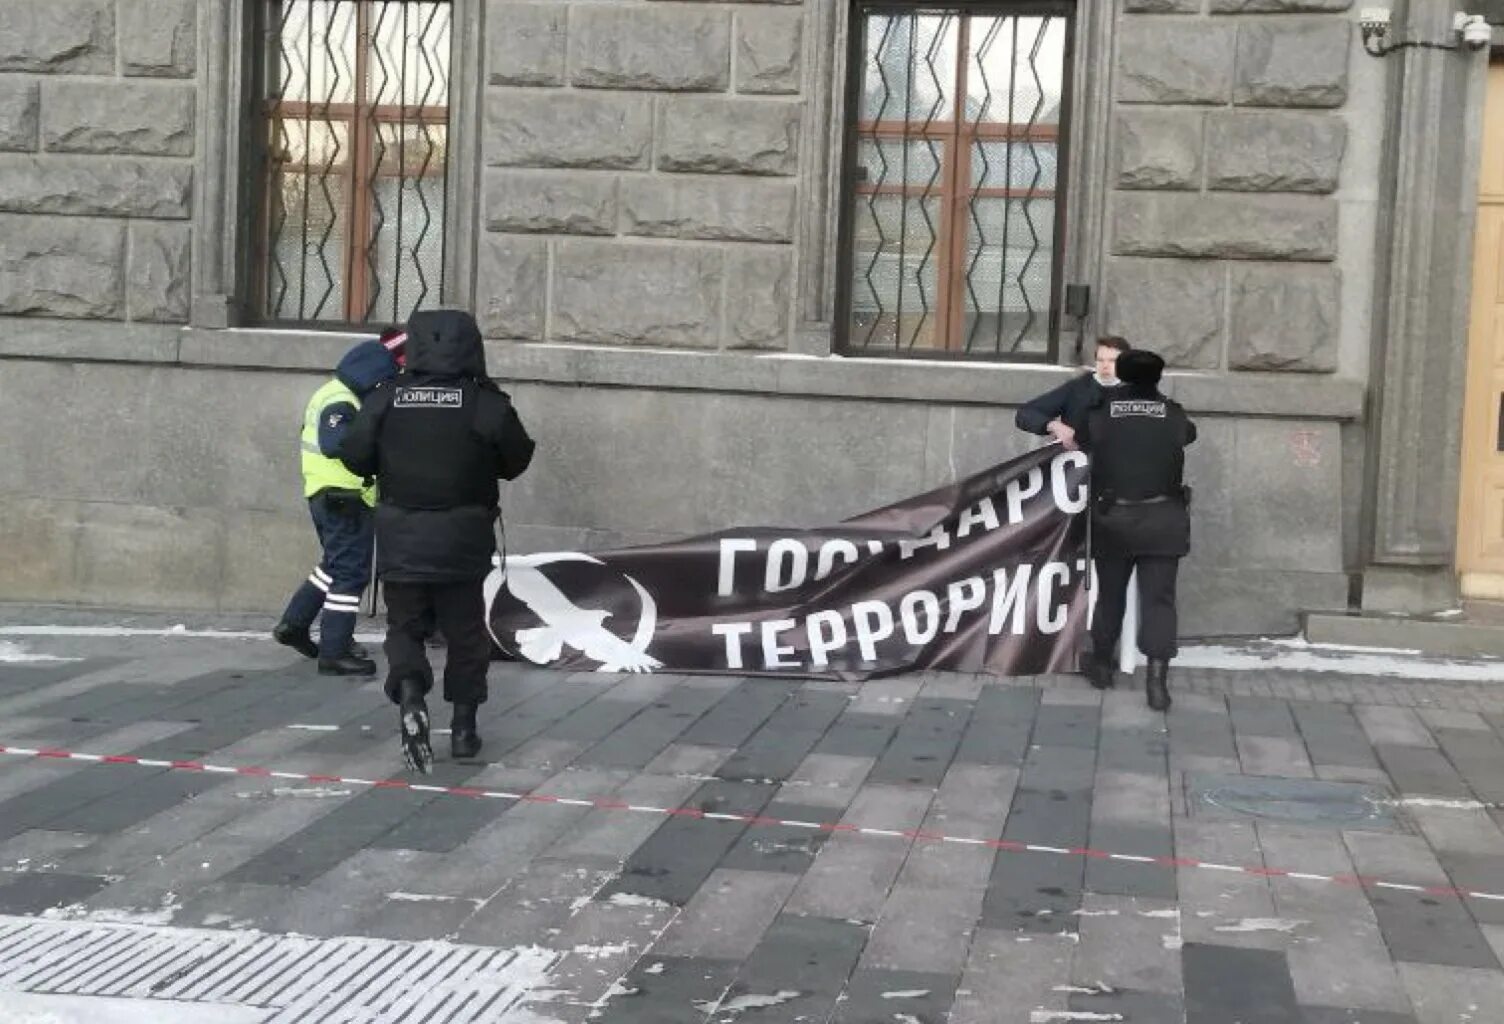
pixel 1006 845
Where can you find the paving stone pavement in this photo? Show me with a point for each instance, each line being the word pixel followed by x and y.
pixel 537 912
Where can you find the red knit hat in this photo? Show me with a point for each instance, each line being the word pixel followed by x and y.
pixel 395 340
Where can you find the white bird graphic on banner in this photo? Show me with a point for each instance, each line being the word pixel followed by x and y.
pixel 567 623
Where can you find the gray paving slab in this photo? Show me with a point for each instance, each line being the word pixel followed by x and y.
pixel 1000 727
pixel 1437 719
pixel 727 917
pixel 493 856
pixel 86 783
pixel 925 929
pixel 893 695
pixel 852 875
pixel 539 753
pixel 661 989
pixel 1261 716
pixel 1478 873
pixel 602 942
pixel 1337 953
pixel 1458 829
pixel 612 835
pixel 961 686
pixel 858 734
pixel 1218 906
pixel 594 721
pixel 1200 730
pixel 1047 768
pixel 1351 1015
pixel 337 901
pixel 1333 736
pixel 136 804
pixel 1068 690
pixel 1388 726
pixel 1479 757
pixel 926 741
pixel 1145 751
pixel 360 822
pixel 800 967
pixel 1125 709
pixel 234 906
pixel 165 832
pixel 1419 927
pixel 1128 1005
pixel 1128 943
pixel 43 849
pixel 416 920
pixel 643 738
pixel 789 849
pixel 774 752
pixel 912 997
pixel 672 864
pixel 33 892
pixel 827 780
pixel 1014 972
pixel 1279 756
pixel 689 759
pixel 266 822
pixel 1452 995
pixel 1229 985
pixel 1067 725
pixel 536 904
pixel 740 713
pixel 1422 771
pixel 972 803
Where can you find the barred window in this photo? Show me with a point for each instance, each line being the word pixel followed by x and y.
pixel 955 167
pixel 354 108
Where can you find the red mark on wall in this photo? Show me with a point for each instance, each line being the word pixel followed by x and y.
pixel 1305 448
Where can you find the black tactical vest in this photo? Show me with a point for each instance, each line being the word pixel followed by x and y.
pixel 1138 446
pixel 430 456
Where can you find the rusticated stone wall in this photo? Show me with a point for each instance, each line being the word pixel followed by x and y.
pixel 640 183
pixel 97 101
pixel 1229 145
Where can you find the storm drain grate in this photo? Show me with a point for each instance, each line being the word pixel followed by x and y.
pixel 297 980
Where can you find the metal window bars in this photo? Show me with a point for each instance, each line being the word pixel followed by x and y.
pixel 354 118
pixel 954 176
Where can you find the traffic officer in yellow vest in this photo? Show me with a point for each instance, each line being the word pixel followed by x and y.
pixel 342 507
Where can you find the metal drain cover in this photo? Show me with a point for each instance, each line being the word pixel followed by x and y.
pixel 1338 805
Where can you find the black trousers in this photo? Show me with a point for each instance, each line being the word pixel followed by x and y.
pixel 459 610
pixel 1156 589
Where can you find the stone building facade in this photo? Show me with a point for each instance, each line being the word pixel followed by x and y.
pixel 644 207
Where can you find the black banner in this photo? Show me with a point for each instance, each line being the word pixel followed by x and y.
pixel 986 575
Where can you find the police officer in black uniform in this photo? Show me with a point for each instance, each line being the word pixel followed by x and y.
pixel 437 439
pixel 1140 516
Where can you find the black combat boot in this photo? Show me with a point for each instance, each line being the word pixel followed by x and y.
pixel 296 637
pixel 464 740
pixel 1100 673
pixel 347 664
pixel 1156 685
pixel 412 727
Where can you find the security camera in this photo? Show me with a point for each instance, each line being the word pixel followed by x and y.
pixel 1476 31
pixel 1373 21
